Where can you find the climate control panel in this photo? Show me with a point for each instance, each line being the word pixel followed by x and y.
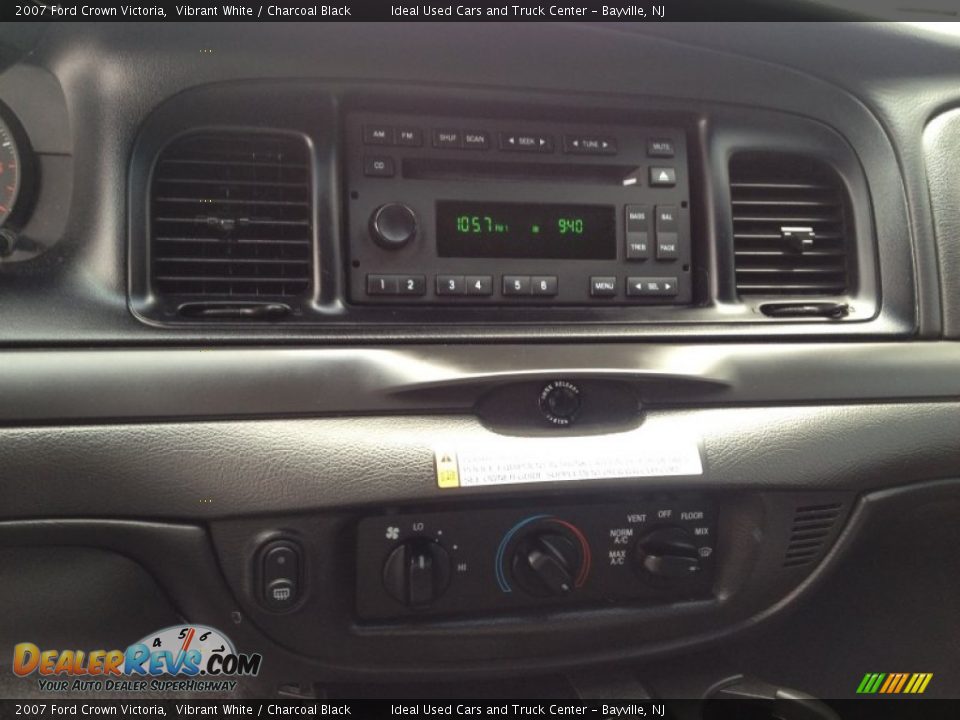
pixel 659 549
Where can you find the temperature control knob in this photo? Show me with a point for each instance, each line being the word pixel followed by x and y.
pixel 417 572
pixel 668 553
pixel 546 563
pixel 393 225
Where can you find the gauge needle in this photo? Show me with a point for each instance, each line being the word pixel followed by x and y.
pixel 186 645
pixel 187 640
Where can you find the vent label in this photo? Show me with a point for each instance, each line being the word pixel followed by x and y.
pixel 510 461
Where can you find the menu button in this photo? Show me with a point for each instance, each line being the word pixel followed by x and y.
pixel 603 286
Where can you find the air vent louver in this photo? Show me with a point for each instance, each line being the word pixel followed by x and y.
pixel 231 217
pixel 811 528
pixel 791 235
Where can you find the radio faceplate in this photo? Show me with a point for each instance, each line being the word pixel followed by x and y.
pixel 459 210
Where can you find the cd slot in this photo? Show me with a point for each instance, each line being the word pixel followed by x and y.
pixel 444 169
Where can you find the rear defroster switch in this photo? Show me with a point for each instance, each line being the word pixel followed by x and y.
pixel 280 575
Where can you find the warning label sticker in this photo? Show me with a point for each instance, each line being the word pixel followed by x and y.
pixel 507 461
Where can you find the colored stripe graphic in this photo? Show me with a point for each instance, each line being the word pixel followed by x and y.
pixel 894 683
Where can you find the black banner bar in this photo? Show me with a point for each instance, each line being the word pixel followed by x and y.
pixel 615 11
pixel 876 709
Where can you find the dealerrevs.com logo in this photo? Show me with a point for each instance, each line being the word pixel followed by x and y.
pixel 202 656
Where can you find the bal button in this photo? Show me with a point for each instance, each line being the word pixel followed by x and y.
pixel 560 402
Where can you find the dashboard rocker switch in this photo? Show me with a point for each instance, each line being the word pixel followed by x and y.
pixel 280 575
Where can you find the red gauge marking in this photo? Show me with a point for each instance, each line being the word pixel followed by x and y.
pixel 188 639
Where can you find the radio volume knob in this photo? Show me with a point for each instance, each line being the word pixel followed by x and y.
pixel 393 225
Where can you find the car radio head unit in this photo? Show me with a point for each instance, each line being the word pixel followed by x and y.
pixel 460 210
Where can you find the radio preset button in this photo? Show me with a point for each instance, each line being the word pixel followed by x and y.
pixel 516 284
pixel 476 140
pixel 544 285
pixel 660 148
pixel 377 135
pixel 603 286
pixel 411 285
pixel 381 285
pixel 479 285
pixel 637 223
pixel 663 177
pixel 446 139
pixel 410 137
pixel 378 166
pixel 451 285
pixel 651 287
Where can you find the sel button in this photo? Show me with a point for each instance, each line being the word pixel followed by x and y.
pixel 651 287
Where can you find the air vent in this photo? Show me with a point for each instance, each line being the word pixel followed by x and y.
pixel 790 230
pixel 231 218
pixel 808 536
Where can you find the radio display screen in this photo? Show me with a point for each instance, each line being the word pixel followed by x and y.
pixel 467 229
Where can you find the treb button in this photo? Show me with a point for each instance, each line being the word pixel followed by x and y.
pixel 637 224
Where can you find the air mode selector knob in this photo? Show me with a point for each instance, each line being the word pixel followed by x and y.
pixel 669 553
pixel 417 572
pixel 546 563
pixel 393 225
